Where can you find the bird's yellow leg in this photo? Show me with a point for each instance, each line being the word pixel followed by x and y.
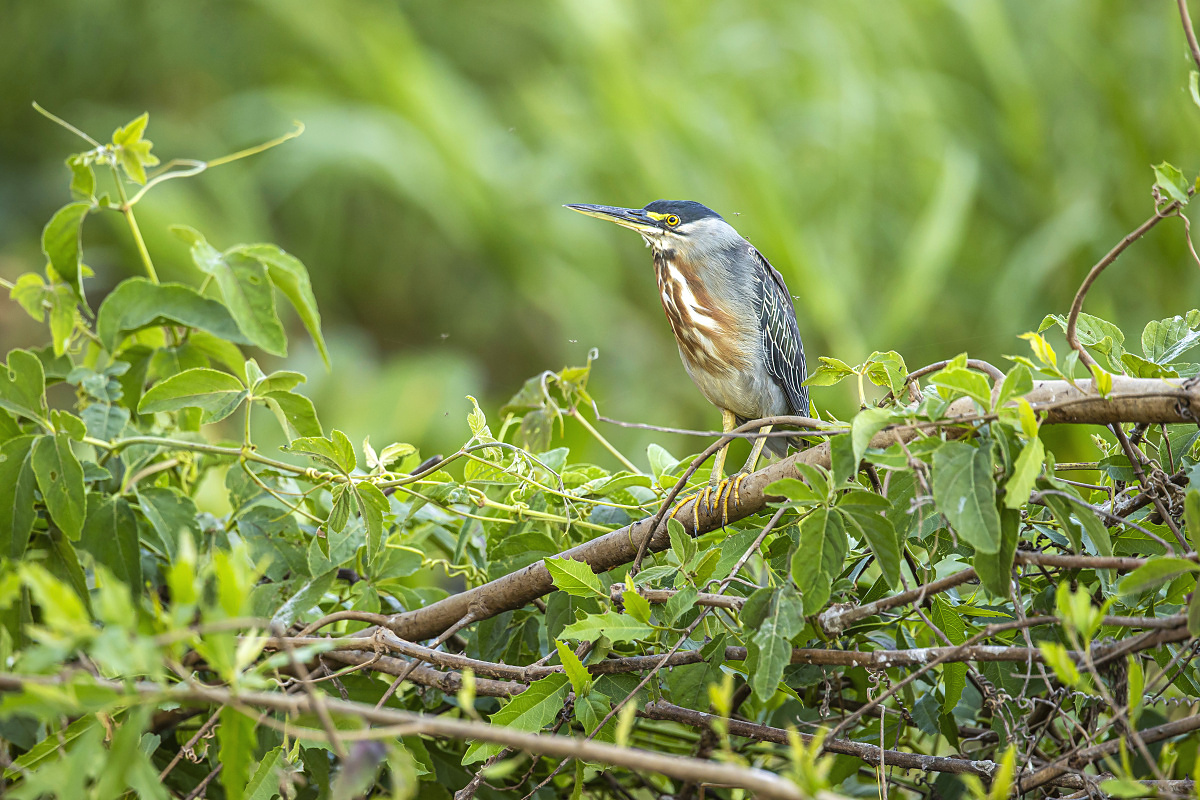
pixel 750 466
pixel 728 423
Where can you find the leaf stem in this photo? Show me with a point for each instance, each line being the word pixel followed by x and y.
pixel 127 210
pixel 604 442
pixel 67 125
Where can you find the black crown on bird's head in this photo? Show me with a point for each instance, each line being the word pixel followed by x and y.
pixel 686 210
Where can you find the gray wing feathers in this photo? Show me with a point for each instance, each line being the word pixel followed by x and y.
pixel 781 337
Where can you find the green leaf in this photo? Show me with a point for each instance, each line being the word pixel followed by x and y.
pixel 1062 508
pixel 137 303
pixel 966 494
pixel 306 596
pixel 60 480
pixel 111 536
pixel 961 380
pixel 870 526
pixel 678 604
pixel 794 490
pixel 246 287
pixel 133 152
pixel 863 428
pixel 1026 470
pixel 372 504
pixel 23 387
pixel 954 674
pixel 581 679
pixel 636 605
pixel 830 372
pixel 344 504
pixel 818 559
pixel 296 414
pixel 617 627
pixel 334 451
pixel 1059 660
pixel 995 570
pixel 574 577
pixel 887 370
pixel 290 277
pixel 17 484
pixel 216 394
pixel 530 711
pixel 1169 179
pixel 264 784
pixel 767 655
pixel 83 177
pixel 1016 383
pixel 62 242
pixel 236 741
pixel 1165 340
pixel 1155 573
pixel 1191 517
pixel 682 545
pixel 171 514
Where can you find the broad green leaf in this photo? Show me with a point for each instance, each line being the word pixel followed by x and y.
pixel 23 387
pixel 1165 340
pixel 636 606
pixel 296 414
pixel 661 462
pixel 887 370
pixel 830 372
pixel 1191 517
pixel 63 244
pixel 530 711
pixel 17 484
pixel 995 569
pixel 1155 573
pixel 264 784
pixel 1016 383
pixel 767 654
pixel 954 674
pixel 682 545
pixel 677 605
pixel 306 596
pixel 278 381
pixel 617 627
pixel 137 303
pixel 869 525
pixel 60 480
pixel 965 492
pixel 171 513
pixel 1026 470
pixel 818 559
pixel 863 428
pixel 961 380
pixel 1170 181
pixel 246 287
pixel 334 451
pixel 344 504
pixel 581 679
pixel 372 504
pixel 133 152
pixel 1059 660
pixel 235 741
pixel 793 489
pixel 574 577
pixel 1063 510
pixel 83 178
pixel 216 394
pixel 290 277
pixel 110 534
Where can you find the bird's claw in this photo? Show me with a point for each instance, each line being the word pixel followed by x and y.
pixel 712 497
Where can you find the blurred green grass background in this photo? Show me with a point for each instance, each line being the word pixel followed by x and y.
pixel 930 176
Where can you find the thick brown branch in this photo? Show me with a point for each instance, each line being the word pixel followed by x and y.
pixel 1131 400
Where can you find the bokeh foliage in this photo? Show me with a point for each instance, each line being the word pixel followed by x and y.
pixel 930 177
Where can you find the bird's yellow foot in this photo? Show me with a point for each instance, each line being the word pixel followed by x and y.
pixel 712 497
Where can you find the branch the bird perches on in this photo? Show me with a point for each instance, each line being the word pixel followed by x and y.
pixel 1137 400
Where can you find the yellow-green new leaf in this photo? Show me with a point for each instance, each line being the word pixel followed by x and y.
pixel 581 679
pixel 529 711
pixel 574 577
pixel 1026 470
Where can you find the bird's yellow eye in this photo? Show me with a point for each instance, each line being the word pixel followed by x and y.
pixel 672 220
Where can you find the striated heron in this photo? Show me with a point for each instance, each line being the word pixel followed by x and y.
pixel 732 317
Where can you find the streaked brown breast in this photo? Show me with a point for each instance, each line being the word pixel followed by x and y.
pixel 707 333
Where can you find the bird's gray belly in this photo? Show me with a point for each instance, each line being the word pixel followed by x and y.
pixel 750 393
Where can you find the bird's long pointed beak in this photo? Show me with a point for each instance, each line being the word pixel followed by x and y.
pixel 633 218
